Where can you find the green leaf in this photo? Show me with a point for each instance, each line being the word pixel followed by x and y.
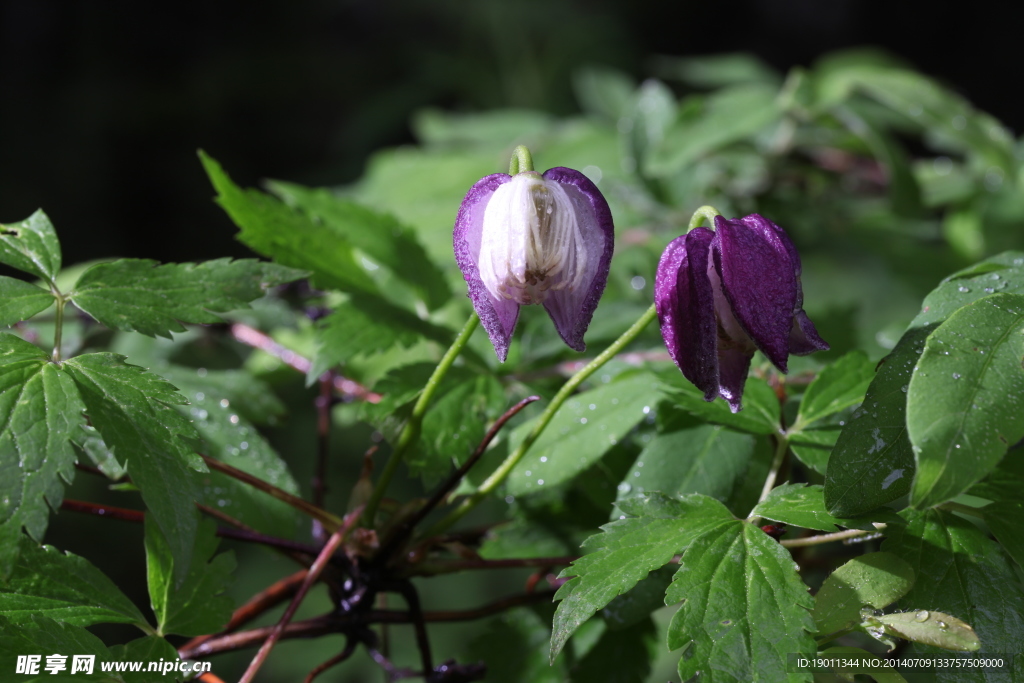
pixel 455 424
pixel 744 607
pixel 603 92
pixel 760 414
pixel 365 325
pixel 20 300
pixel 959 571
pixel 229 437
pixel 1005 519
pixel 40 410
pixel 1005 482
pixel 637 604
pixel 873 580
pixel 248 396
pixel 618 656
pixel 132 410
pixel 89 441
pixel 148 649
pixel 585 427
pixel 198 605
pixel 154 299
pixel 31 246
pixel 1003 273
pixel 727 116
pixel 717 71
pixel 963 407
pixel 275 230
pixel 513 646
pixel 64 587
pixel 708 459
pixel 932 628
pixel 43 636
pixel 872 462
pixel 380 236
pixel 627 551
pixel 837 387
pixel 804 506
pixel 813 447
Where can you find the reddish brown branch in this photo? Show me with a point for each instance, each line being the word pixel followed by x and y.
pixel 311 577
pixel 350 647
pixel 325 625
pixel 109 511
pixel 348 389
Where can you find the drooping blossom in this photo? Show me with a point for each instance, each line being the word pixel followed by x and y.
pixel 722 295
pixel 534 239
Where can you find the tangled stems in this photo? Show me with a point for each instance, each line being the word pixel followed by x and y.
pixel 500 474
pixel 411 432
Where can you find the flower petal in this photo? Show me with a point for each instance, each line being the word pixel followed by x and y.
pixel 759 281
pixel 572 308
pixel 684 300
pixel 803 337
pixel 498 316
pixel 733 366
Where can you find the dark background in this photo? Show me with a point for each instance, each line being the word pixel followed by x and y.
pixel 105 103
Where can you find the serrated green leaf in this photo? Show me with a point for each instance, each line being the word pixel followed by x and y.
pixel 583 430
pixel 250 397
pixel 132 411
pixel 959 571
pixel 804 506
pixel 1003 273
pixel 198 605
pixel 873 580
pixel 760 414
pixel 744 607
pixel 513 646
pixel 31 246
pixel 40 410
pixel 64 587
pixel 1005 482
pixel 1005 519
pixel 275 230
pixel 380 236
pixel 872 462
pixel 364 325
pixel 813 447
pixel 963 406
pixel 20 300
pixel 640 601
pixel 148 649
pixel 89 441
pixel 708 459
pixel 729 115
pixel 154 299
pixel 618 656
pixel 454 425
pixel 627 551
pixel 229 437
pixel 932 628
pixel 836 387
pixel 43 636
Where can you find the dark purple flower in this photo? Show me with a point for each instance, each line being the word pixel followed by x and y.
pixel 534 239
pixel 723 294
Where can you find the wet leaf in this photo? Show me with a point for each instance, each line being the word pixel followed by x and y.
pixel 873 580
pixel 20 300
pixel 31 246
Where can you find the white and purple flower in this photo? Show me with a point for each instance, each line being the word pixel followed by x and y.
pixel 534 239
pixel 722 295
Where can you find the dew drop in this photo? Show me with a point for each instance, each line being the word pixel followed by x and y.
pixel 961 288
pixel 529 473
pixel 922 616
pixel 233 419
pixel 540 482
pixel 904 388
pixel 543 458
pixel 943 626
pixel 224 403
pixel 647 409
pixel 583 420
pixel 956 375
pixel 201 372
pixel 593 407
pixel 200 396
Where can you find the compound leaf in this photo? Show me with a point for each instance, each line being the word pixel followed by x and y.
pixel 31 246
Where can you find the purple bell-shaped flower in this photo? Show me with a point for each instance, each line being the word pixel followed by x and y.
pixel 530 238
pixel 722 295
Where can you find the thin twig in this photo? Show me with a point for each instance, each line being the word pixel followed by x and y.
pixel 330 522
pixel 315 570
pixel 825 538
pixel 267 599
pixel 403 530
pixel 347 388
pixel 224 517
pixel 412 599
pixel 335 623
pixel 124 514
pixel 350 647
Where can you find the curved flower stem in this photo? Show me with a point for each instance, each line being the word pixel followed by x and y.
pixel 706 211
pixel 500 474
pixel 411 432
pixel 521 162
